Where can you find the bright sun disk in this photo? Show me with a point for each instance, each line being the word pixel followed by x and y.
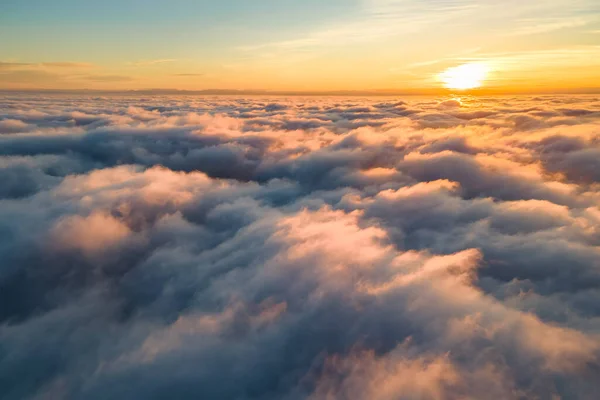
pixel 465 76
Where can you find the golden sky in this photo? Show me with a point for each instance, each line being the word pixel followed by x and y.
pixel 354 45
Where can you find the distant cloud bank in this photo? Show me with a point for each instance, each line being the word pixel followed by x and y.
pixel 179 247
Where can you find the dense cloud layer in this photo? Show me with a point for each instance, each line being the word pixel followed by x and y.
pixel 263 248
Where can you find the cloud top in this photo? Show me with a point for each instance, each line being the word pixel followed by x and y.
pixel 299 248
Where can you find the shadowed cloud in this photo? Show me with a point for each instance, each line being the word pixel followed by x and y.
pixel 156 247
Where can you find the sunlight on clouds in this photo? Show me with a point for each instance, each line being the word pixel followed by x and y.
pixel 345 248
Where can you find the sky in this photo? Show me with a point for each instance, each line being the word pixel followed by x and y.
pixel 309 45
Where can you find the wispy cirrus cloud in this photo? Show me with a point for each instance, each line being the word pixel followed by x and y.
pixel 45 65
pixel 531 60
pixel 379 19
pixel 56 73
pixel 146 63
pixel 5 65
pixel 67 65
pixel 515 67
pixel 532 26
pixel 106 78
pixel 190 74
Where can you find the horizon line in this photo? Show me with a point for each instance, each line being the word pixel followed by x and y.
pixel 372 92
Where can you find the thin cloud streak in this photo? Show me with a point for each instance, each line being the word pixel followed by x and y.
pixel 146 63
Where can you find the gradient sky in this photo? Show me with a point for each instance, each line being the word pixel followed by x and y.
pixel 307 45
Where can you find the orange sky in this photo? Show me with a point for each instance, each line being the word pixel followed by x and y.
pixel 353 45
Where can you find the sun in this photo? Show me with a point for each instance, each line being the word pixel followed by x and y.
pixel 465 76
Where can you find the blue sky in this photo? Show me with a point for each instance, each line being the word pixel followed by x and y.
pixel 145 28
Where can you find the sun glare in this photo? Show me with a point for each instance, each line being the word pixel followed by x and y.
pixel 465 76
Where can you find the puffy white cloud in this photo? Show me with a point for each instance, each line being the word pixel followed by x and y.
pixel 325 248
